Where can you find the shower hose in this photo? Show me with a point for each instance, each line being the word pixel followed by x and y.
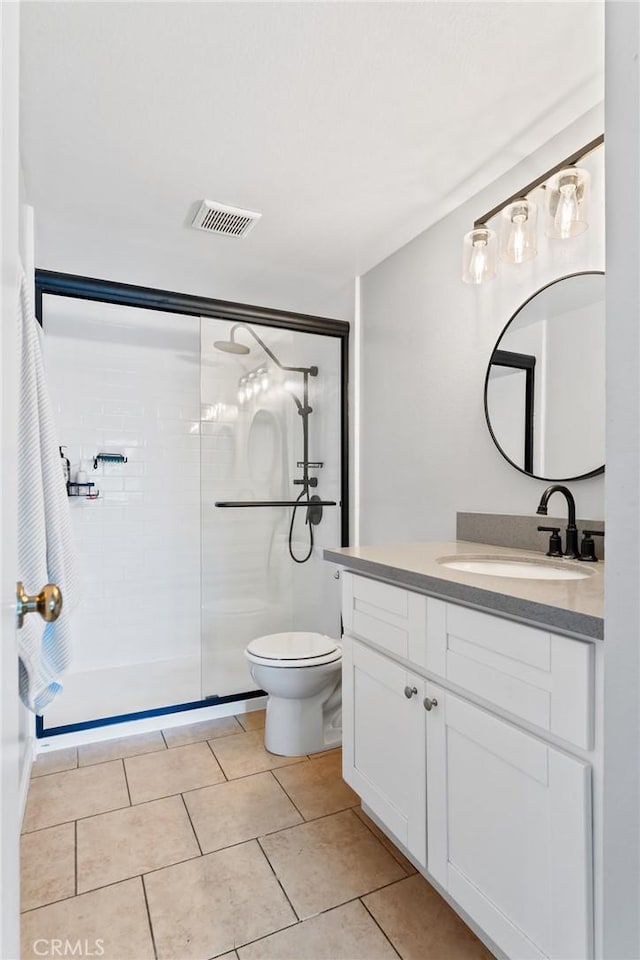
pixel 293 518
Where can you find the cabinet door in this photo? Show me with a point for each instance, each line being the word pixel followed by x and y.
pixel 509 830
pixel 384 741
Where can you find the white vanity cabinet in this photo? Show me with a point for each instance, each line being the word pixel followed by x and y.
pixel 383 742
pixel 497 813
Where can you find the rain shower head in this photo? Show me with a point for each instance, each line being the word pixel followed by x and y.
pixel 231 346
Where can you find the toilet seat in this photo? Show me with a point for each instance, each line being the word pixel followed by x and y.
pixel 293 649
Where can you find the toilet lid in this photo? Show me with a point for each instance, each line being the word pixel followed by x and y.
pixel 292 646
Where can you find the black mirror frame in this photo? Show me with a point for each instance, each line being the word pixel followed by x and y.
pixel 529 402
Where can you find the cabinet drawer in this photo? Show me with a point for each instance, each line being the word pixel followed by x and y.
pixel 540 677
pixel 390 617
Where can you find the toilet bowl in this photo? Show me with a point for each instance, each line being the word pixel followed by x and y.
pixel 302 674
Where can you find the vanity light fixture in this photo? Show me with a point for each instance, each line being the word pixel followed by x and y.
pixel 566 215
pixel 518 234
pixel 479 254
pixel 567 203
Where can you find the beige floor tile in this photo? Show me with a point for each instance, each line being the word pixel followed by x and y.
pixel 384 839
pixel 326 862
pixel 84 792
pixel 325 753
pixel 47 866
pixel 54 761
pixel 121 747
pixel 171 771
pixel 318 788
pixel 112 922
pixel 126 843
pixel 246 754
pixel 345 933
pixel 421 925
pixel 239 810
pixel 206 730
pixel 208 906
pixel 253 720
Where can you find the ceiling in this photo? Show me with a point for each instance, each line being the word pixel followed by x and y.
pixel 350 126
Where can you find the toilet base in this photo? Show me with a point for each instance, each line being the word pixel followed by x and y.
pixel 304 687
pixel 294 728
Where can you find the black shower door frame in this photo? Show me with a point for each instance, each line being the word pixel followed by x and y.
pixel 109 291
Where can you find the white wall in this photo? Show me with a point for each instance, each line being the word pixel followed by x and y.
pixel 26 719
pixel 426 341
pixel 9 701
pixel 621 855
pixel 127 380
pixel 121 256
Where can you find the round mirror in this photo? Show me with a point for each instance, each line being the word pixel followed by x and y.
pixel 544 391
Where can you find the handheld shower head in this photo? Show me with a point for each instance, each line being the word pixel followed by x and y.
pixel 231 346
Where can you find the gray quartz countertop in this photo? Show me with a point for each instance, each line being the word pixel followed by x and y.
pixel 571 607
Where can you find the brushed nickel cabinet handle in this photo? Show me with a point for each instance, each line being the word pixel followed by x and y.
pixel 429 704
pixel 409 692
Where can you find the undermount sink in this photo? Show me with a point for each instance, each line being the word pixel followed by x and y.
pixel 521 568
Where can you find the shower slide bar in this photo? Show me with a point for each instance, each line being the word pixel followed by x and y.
pixel 274 503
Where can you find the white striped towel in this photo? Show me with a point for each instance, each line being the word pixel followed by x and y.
pixel 45 551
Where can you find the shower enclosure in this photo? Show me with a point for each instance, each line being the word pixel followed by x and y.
pixel 271 489
pixel 233 423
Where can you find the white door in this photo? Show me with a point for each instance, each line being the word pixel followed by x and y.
pixel 509 830
pixel 9 703
pixel 383 741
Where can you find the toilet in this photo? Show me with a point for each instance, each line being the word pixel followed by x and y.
pixel 302 674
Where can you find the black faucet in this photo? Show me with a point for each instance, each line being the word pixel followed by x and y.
pixel 571 546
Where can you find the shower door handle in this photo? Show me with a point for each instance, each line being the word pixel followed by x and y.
pixel 48 603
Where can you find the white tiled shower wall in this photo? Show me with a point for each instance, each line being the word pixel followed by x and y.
pixel 127 380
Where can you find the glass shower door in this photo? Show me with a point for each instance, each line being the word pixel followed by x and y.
pixel 270 435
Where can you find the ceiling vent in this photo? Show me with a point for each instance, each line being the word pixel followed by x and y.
pixel 226 221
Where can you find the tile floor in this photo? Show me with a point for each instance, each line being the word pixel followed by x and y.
pixel 197 843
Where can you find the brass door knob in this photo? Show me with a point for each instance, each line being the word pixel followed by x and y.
pixel 48 603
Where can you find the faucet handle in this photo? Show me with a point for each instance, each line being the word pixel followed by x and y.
pixel 555 543
pixel 588 547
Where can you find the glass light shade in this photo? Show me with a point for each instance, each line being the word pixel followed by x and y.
pixel 567 203
pixel 518 224
pixel 479 256
pixel 244 392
